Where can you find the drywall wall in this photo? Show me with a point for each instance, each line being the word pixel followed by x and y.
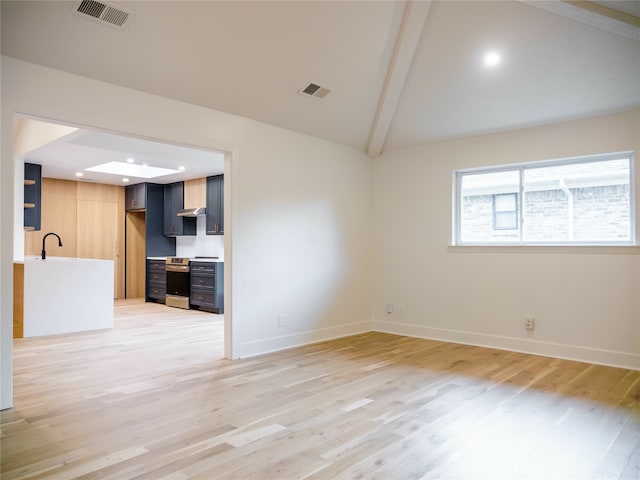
pixel 586 301
pixel 29 134
pixel 297 208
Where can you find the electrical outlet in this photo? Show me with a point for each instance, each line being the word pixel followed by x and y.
pixel 530 323
pixel 282 320
pixel 389 307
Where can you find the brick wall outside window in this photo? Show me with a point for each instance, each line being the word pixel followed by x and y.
pixel 598 213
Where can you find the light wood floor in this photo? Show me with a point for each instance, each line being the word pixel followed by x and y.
pixel 153 399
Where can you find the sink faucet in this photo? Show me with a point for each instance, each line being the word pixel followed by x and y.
pixel 44 254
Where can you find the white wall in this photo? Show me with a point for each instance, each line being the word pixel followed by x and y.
pixel 298 238
pixel 201 244
pixel 304 239
pixel 29 134
pixel 586 303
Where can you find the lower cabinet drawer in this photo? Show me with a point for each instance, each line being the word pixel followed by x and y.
pixel 157 291
pixel 157 266
pixel 158 277
pixel 203 297
pixel 206 281
pixel 206 268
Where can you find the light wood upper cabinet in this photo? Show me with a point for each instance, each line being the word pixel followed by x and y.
pixel 195 193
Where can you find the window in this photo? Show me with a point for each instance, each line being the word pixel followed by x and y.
pixel 505 211
pixel 585 200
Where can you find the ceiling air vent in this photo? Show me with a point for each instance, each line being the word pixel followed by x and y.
pixel 104 13
pixel 315 91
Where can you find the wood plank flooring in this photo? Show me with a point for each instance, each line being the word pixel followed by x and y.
pixel 153 399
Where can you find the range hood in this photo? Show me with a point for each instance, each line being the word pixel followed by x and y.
pixel 192 212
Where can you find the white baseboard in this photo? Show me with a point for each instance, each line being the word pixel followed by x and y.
pixel 521 345
pixel 535 347
pixel 273 344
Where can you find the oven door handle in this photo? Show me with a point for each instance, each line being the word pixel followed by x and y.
pixel 178 268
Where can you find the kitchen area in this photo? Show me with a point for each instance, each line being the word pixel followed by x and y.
pixel 180 249
pixel 126 235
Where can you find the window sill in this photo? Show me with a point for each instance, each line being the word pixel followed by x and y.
pixel 565 249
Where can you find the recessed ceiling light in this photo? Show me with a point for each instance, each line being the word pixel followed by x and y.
pixel 131 170
pixel 181 169
pixel 491 59
pixel 125 180
pixel 130 160
pixel 79 174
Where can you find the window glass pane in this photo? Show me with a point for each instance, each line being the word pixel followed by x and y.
pixel 477 222
pixel 577 202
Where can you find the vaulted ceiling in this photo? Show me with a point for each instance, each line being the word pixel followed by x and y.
pixel 400 73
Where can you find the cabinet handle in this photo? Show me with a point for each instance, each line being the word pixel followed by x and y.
pixel 200 297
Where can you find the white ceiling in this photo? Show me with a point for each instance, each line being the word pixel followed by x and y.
pixel 559 62
pixel 553 69
pixel 77 151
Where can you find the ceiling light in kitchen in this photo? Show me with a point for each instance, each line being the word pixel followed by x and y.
pixel 125 180
pixel 181 169
pixel 131 170
pixel 130 160
pixel 79 174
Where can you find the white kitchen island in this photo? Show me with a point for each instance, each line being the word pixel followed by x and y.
pixel 63 295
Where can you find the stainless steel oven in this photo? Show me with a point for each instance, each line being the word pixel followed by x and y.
pixel 178 282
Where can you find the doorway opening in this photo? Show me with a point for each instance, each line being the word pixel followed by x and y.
pixel 90 206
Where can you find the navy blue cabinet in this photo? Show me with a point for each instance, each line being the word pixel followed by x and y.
pixel 173 225
pixel 156 243
pixel 207 286
pixel 32 196
pixel 215 205
pixel 145 202
pixel 135 196
pixel 156 280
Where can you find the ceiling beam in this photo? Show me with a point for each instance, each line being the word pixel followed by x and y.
pixel 606 11
pixel 594 15
pixel 413 19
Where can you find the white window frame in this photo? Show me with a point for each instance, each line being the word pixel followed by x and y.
pixel 521 167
